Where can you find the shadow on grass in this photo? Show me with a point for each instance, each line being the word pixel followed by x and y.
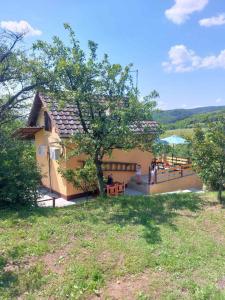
pixel 7 278
pixel 211 199
pixel 23 212
pixel 152 211
pixel 148 211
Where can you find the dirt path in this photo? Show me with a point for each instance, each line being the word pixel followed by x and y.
pixel 133 286
pixel 54 261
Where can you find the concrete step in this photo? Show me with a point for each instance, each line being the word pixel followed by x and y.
pixel 131 192
pixel 143 187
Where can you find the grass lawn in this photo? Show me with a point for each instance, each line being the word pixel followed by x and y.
pixel 160 247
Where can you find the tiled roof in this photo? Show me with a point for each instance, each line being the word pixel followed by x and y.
pixel 67 120
pixel 146 127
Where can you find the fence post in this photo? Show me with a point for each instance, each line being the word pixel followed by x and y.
pixel 181 171
pixel 53 202
pixel 155 176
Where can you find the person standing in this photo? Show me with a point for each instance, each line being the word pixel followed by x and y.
pixel 138 174
pixel 153 170
pixel 153 164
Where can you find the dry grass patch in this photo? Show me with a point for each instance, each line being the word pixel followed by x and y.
pixel 134 287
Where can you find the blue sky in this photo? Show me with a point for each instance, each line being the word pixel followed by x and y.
pixel 178 46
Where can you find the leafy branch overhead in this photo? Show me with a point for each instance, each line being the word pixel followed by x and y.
pixel 19 76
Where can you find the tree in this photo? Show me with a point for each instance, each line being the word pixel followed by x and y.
pixel 19 76
pixel 17 82
pixel 19 176
pixel 160 149
pixel 208 154
pixel 104 96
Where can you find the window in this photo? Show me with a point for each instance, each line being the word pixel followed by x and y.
pixel 54 153
pixel 41 150
pixel 48 124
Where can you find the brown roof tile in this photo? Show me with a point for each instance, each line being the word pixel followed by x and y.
pixel 67 120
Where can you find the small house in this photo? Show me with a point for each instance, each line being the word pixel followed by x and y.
pixel 50 126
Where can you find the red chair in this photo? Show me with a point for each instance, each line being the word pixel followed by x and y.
pixel 121 188
pixel 115 189
pixel 112 190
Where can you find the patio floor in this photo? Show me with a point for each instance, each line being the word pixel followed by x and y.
pixel 45 199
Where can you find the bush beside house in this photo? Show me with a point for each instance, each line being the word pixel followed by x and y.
pixel 19 176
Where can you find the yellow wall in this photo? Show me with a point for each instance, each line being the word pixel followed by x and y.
pixel 49 139
pixel 59 184
pixel 183 183
pixel 143 158
pixel 73 163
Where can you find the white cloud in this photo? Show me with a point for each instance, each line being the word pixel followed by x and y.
pixel 182 9
pixel 182 59
pixel 20 27
pixel 219 100
pixel 213 21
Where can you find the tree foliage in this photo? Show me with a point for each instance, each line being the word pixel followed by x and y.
pixel 159 149
pixel 19 177
pixel 19 76
pixel 183 118
pixel 83 178
pixel 197 120
pixel 209 155
pixel 103 94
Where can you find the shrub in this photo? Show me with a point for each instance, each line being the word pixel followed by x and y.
pixel 208 155
pixel 84 178
pixel 19 176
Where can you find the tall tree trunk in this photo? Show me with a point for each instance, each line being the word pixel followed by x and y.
pixel 98 164
pixel 219 195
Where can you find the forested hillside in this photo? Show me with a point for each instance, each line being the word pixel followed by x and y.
pixel 174 115
pixel 199 119
pixel 189 118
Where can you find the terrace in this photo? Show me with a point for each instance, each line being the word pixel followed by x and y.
pixel 168 177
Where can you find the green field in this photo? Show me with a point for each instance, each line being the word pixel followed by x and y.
pixel 161 247
pixel 185 132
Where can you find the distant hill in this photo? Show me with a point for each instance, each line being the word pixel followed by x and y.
pixel 174 115
pixel 198 119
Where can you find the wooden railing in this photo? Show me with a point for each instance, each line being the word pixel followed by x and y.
pixel 170 173
pixel 178 160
